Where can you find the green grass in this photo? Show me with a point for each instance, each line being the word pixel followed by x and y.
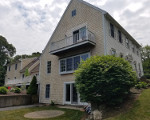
pixel 19 114
pixel 139 111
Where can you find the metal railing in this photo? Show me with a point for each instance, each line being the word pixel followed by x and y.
pixel 21 81
pixel 72 40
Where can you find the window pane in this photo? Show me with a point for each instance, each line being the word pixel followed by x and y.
pixel 84 56
pixel 69 64
pixel 83 33
pixel 49 67
pixel 47 91
pixel 62 65
pixel 76 62
pixel 112 29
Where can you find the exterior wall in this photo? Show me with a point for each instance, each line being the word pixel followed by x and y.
pixel 121 47
pixel 13 73
pixel 85 15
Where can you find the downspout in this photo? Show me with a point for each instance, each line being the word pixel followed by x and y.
pixel 104 33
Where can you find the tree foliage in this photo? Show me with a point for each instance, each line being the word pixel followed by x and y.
pixel 32 90
pixel 104 80
pixel 6 51
pixel 17 57
pixel 146 59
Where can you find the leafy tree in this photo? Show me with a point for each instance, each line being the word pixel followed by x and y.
pixel 32 90
pixel 104 80
pixel 17 57
pixel 6 51
pixel 146 59
pixel 26 73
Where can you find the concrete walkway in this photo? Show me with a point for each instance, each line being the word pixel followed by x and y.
pixel 71 107
pixel 17 107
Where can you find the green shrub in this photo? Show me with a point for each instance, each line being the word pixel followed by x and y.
pixel 12 90
pixel 32 89
pixel 104 80
pixel 3 90
pixel 141 85
pixel 17 90
pixel 147 76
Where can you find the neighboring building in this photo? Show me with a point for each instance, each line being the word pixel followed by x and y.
pixel 83 31
pixel 15 75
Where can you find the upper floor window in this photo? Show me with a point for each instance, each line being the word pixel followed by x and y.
pixel 121 55
pixel 79 34
pixel 71 63
pixel 137 53
pixel 48 66
pixel 9 68
pixel 127 43
pixel 16 66
pixel 120 36
pixel 112 30
pixel 74 13
pixel 47 91
pixel 22 75
pixel 133 49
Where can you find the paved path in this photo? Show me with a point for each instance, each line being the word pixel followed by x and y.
pixel 71 107
pixel 17 107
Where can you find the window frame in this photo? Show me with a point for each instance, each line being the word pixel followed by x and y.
pixel 47 97
pixel 112 31
pixel 49 67
pixel 67 72
pixel 74 12
pixel 127 45
pixel 16 66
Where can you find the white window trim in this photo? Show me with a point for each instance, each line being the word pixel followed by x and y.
pixel 67 72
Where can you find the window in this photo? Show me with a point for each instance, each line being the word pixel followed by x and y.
pixel 62 65
pixel 49 67
pixel 120 36
pixel 74 13
pixel 135 67
pixel 113 52
pixel 137 53
pixel 22 75
pixel 121 55
pixel 127 43
pixel 9 68
pixel 15 77
pixel 70 64
pixel 76 62
pixel 47 91
pixel 15 66
pixel 112 30
pixel 133 49
pixel 79 34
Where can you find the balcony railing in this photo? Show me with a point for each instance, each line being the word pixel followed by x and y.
pixel 21 81
pixel 73 40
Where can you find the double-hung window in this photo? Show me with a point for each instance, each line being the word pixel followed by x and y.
pixel 16 66
pixel 120 36
pixel 71 63
pixel 127 43
pixel 48 66
pixel 47 91
pixel 112 30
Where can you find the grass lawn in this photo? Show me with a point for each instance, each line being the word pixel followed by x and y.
pixel 139 111
pixel 19 114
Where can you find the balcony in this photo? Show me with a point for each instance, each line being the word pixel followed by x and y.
pixel 78 40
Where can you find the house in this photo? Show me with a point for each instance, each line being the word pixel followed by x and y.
pixel 15 75
pixel 83 31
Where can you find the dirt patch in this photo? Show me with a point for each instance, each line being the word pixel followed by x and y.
pixel 44 114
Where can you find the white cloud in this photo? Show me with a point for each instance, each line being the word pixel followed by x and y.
pixel 29 24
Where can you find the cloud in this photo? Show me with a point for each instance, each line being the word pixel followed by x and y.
pixel 29 24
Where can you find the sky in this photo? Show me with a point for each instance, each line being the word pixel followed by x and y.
pixel 28 24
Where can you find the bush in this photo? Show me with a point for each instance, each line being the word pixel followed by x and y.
pixel 12 90
pixel 141 85
pixel 32 89
pixel 17 90
pixel 104 80
pixel 3 90
pixel 147 76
